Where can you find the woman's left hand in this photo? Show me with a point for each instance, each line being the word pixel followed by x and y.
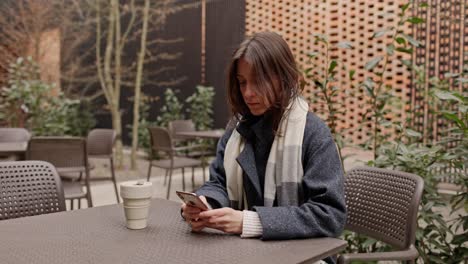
pixel 225 219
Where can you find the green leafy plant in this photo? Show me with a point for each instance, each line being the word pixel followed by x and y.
pixel 80 118
pixel 438 240
pixel 201 107
pixel 456 111
pixel 29 102
pixel 144 141
pixel 171 110
pixel 324 78
pixel 379 94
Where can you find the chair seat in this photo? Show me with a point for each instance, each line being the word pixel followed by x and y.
pixel 73 190
pixel 66 170
pixel 199 154
pixel 179 162
pixel 70 174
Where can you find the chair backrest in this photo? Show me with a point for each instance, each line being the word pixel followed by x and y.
pixel 177 126
pixel 12 134
pixel 383 204
pixel 161 140
pixel 29 188
pixel 62 152
pixel 100 142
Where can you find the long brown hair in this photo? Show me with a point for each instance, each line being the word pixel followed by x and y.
pixel 275 72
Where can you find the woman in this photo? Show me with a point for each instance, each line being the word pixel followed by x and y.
pixel 277 174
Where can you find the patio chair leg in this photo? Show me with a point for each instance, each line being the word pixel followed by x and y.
pixel 183 179
pixel 114 180
pixel 79 177
pixel 169 184
pixel 166 172
pixel 79 203
pixel 149 171
pixel 193 178
pixel 88 190
pixel 204 174
pixel 71 204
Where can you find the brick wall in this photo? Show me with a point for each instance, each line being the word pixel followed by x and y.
pixel 354 21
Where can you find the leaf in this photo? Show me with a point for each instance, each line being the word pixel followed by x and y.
pixel 380 33
pixel 318 83
pixel 321 38
pixel 372 63
pixel 333 65
pixel 412 41
pixel 404 50
pixel 344 45
pixel 412 133
pixel 390 49
pixel 463 109
pixel 415 20
pixel 312 54
pixel 307 71
pixel 400 40
pixel 424 5
pixel 351 74
pixel 451 75
pixel 407 63
pixel 454 117
pixel 446 95
pixel 405 7
pixel 385 123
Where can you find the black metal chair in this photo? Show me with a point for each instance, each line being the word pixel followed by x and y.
pixel 161 143
pixel 29 188
pixel 383 204
pixel 190 147
pixel 68 155
pixel 100 143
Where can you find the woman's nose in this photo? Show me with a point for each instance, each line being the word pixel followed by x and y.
pixel 248 91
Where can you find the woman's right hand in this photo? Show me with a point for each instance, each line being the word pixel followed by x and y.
pixel 191 215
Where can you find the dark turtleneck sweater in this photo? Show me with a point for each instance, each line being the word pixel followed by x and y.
pixel 258 131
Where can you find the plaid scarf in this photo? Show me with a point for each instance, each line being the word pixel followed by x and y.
pixel 284 169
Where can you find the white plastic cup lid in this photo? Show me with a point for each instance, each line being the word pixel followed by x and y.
pixel 136 189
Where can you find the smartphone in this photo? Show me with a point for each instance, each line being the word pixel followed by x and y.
pixel 192 199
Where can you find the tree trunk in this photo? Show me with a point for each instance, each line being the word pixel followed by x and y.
pixel 114 41
pixel 117 125
pixel 136 103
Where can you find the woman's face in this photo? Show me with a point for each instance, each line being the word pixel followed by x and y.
pixel 247 84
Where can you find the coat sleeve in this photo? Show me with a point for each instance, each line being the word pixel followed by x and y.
pixel 215 189
pixel 323 211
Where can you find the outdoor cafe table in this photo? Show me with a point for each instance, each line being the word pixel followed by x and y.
pixel 13 148
pixel 99 235
pixel 202 134
pixel 207 134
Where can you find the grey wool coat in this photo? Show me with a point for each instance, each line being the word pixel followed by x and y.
pixel 321 211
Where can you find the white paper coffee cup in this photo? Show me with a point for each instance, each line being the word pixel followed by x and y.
pixel 136 196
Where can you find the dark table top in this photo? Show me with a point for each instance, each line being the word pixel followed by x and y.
pixel 214 134
pixel 13 147
pixel 99 235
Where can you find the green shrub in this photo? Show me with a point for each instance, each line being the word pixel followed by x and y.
pixel 201 107
pixel 171 110
pixel 29 102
